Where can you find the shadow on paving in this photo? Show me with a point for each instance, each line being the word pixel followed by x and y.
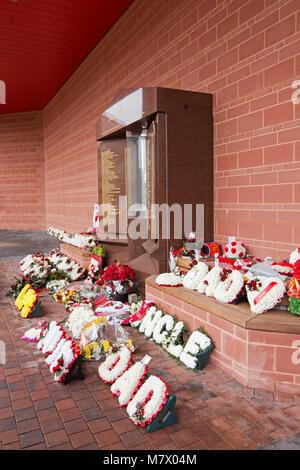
pixel 20 243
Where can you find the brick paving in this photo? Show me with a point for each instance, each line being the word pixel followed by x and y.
pixel 213 410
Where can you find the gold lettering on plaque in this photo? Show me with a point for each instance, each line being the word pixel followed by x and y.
pixel 110 188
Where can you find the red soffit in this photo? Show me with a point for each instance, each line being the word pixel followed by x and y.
pixel 42 42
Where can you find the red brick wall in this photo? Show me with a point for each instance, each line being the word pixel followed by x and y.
pixel 244 52
pixel 22 189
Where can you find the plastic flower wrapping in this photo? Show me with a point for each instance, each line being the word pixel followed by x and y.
pixel 100 337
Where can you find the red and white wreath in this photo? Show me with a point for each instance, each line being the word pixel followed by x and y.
pixel 264 293
pixel 209 284
pixel 231 286
pixel 128 383
pixel 286 269
pixel 148 401
pixel 115 364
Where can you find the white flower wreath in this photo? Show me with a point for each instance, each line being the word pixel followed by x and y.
pixel 169 280
pixel 115 365
pixel 209 284
pixel 197 342
pixel 79 317
pixel 228 290
pixel 127 384
pixel 193 277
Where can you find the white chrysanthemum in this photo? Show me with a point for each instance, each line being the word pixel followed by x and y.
pixel 163 328
pixel 79 317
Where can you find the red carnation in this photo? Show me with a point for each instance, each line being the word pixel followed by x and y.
pixel 297 270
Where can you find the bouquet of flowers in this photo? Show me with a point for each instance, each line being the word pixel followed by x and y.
pixel 68 297
pixel 118 280
pixel 36 266
pixel 70 268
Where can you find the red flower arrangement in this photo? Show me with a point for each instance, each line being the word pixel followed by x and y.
pixel 225 273
pixel 254 284
pixel 116 272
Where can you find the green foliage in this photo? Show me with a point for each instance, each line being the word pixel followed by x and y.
pixel 294 306
pixel 99 250
pixel 16 288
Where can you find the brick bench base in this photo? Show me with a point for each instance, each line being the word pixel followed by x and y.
pixel 255 357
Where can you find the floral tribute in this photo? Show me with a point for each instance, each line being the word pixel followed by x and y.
pixel 193 277
pixel 56 285
pixel 231 287
pixel 148 401
pixel 69 297
pixel 169 280
pixel 117 279
pixel 59 351
pixel 144 401
pixel 294 290
pixel 210 282
pixel 264 293
pixel 33 334
pixel 94 267
pixel 126 386
pixel 285 269
pixel 115 364
pixel 165 331
pixel 75 239
pixel 26 300
pixel 73 270
pixel 78 318
pixel 36 265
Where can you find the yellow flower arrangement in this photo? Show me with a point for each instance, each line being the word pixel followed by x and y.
pixel 19 299
pixel 26 300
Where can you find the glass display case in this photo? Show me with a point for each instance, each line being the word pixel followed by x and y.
pixel 155 150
